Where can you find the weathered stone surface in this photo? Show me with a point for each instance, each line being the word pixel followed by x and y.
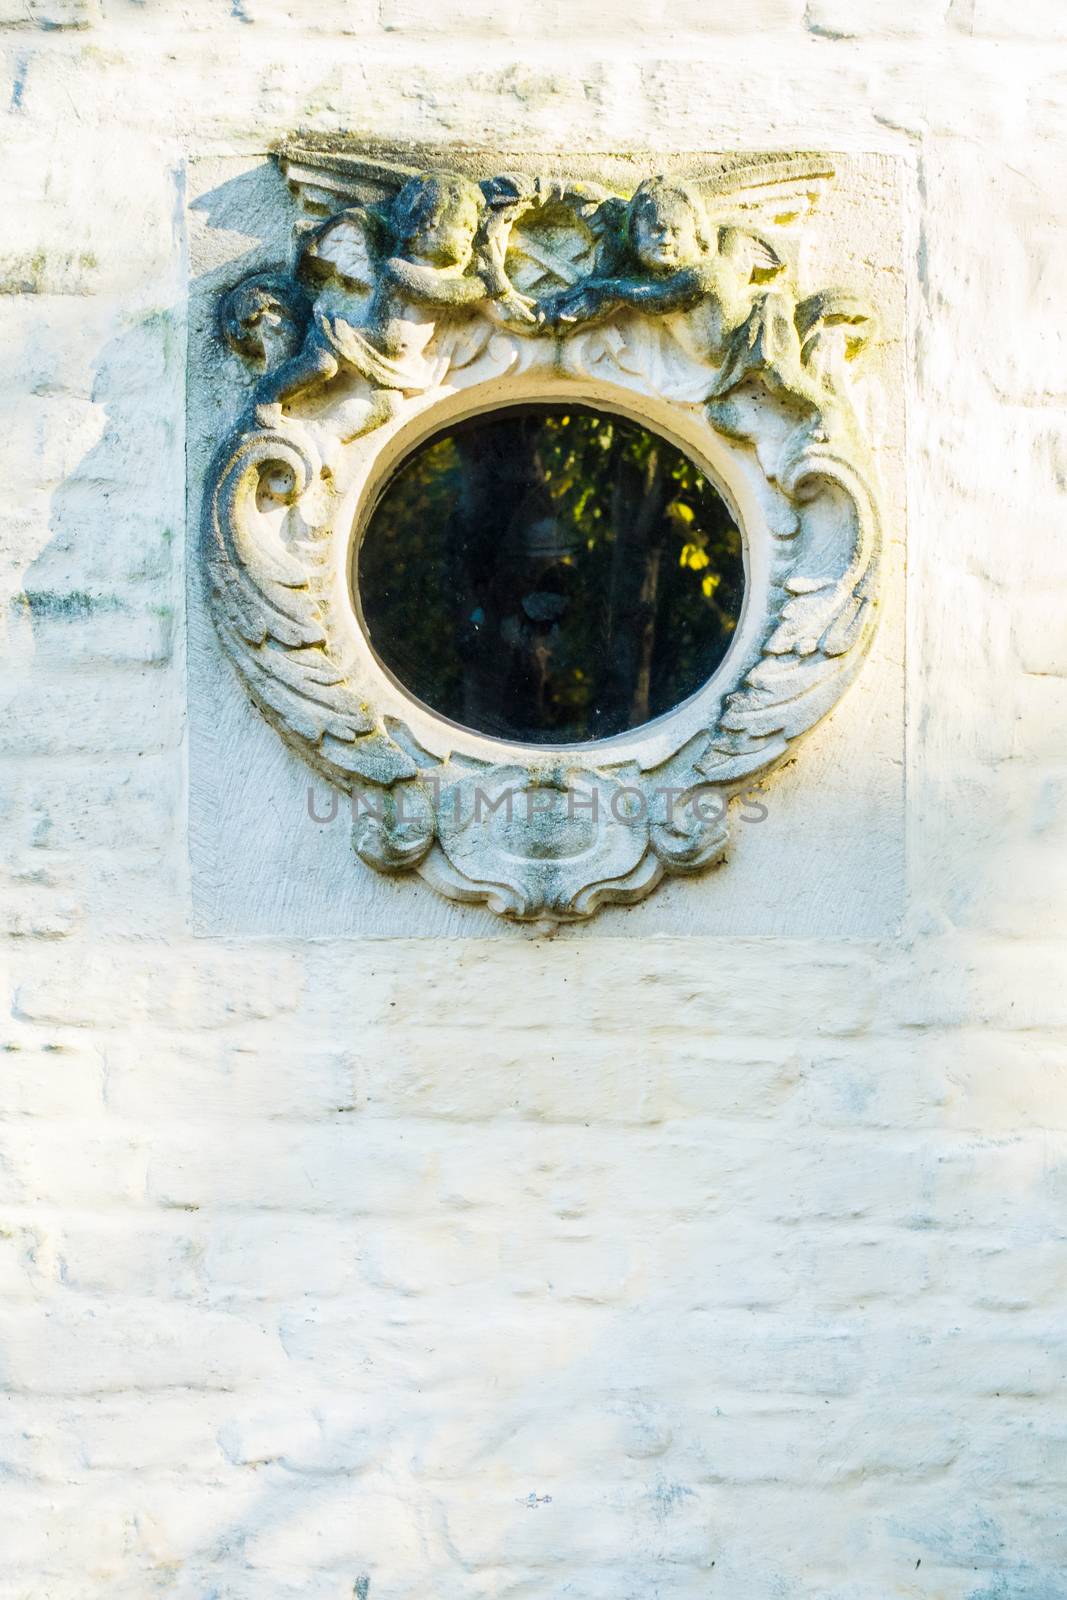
pixel 49 14
pixel 857 19
pixel 1039 20
pixel 366 1269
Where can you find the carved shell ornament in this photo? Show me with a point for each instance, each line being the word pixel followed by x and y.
pixel 417 300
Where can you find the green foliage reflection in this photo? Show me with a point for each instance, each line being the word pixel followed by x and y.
pixel 550 574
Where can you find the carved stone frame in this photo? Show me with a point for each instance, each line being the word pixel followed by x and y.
pixel 545 834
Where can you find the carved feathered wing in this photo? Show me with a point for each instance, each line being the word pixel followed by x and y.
pixel 773 194
pixel 349 246
pixel 770 196
pixel 324 180
pixel 266 609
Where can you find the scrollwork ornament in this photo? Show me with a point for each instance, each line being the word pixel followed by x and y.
pixel 418 295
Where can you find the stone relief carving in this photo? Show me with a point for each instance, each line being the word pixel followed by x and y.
pixel 415 296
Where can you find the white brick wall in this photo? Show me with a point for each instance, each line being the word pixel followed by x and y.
pixel 619 1269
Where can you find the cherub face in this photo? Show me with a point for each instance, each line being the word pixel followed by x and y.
pixel 447 236
pixel 664 233
pixel 441 224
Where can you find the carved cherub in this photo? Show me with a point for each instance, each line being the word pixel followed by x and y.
pixel 676 250
pixel 383 283
pixel 656 254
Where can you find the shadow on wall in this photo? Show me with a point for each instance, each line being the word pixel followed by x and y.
pixel 95 622
pixel 97 617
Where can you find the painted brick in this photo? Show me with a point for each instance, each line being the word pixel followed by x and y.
pixel 365 1269
pixel 859 19
pixel 1040 20
pixel 48 14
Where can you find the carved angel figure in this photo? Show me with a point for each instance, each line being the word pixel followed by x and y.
pixel 382 285
pixel 677 251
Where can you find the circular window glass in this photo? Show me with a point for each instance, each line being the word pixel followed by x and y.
pixel 550 574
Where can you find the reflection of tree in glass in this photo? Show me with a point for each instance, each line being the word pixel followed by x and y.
pixel 551 575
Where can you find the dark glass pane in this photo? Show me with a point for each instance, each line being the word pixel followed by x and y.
pixel 550 574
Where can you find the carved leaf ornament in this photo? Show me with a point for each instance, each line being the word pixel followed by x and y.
pixel 415 299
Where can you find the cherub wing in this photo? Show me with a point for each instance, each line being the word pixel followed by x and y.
pixel 770 193
pixel 324 180
pixel 349 245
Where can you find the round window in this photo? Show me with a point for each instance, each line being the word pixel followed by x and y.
pixel 551 574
